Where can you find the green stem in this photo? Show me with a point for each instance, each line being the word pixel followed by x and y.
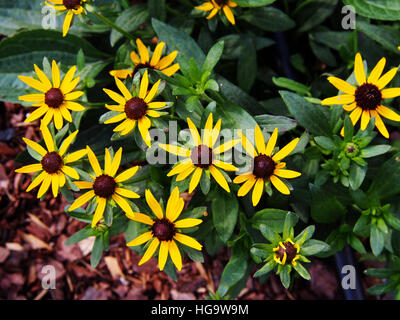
pixel 110 23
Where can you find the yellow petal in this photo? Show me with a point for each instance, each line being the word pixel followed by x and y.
pixel 84 184
pixel 342 99
pixel 278 184
pixel 175 254
pixel 143 52
pixel 123 204
pixel 342 85
pixel 195 179
pixel 45 186
pixel 82 200
pixel 42 77
pixel 127 193
pixel 218 176
pixel 37 181
pixel 224 165
pixel 67 22
pixel 163 255
pixel 125 92
pixel 390 93
pixel 116 162
pixel 260 142
pixel 377 71
pixel 359 69
pixel 115 96
pixel 246 187
pixel 144 84
pixel 157 54
pixel 140 217
pixel 288 174
pixel 257 191
pixel 75 156
pixel 175 205
pixel 150 251
pixel 388 113
pixel 152 92
pixel 67 142
pixel 379 124
pixel 30 168
pixel 94 162
pixel 188 241
pixel 35 84
pixel 127 174
pixel 55 73
pixel 229 14
pixel 167 60
pixel 247 145
pixel 98 214
pixel 187 223
pixel 386 78
pixel 364 119
pixel 179 151
pixel 48 139
pixel 286 150
pixel 140 239
pixel 154 204
pixel 69 171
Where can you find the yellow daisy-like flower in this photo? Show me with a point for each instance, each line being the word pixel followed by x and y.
pixel 365 99
pixel 163 65
pixel 266 167
pixel 135 109
pixel 54 163
pixel 164 230
pixel 287 252
pixel 105 186
pixel 74 7
pixel 55 99
pixel 216 5
pixel 203 156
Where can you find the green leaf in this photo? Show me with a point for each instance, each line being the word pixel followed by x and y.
pixel 290 221
pixel 268 19
pixel 356 244
pixel 130 20
pixel 325 142
pixel 84 233
pixel 305 235
pixel 178 40
pixel 374 151
pixel 302 271
pixel 234 116
pixel 393 221
pixel 291 85
pixel 157 9
pixel 213 57
pixel 386 179
pixel 357 175
pixel 348 129
pixel 325 207
pixel 225 209
pixel 273 218
pixel 285 276
pixel 253 3
pixel 380 10
pixel 97 251
pixel 234 270
pixel 269 234
pixel 387 37
pixel 382 288
pixel 380 273
pixel 312 247
pixel 247 65
pixel 268 267
pixel 308 115
pixel 269 123
pixel 377 240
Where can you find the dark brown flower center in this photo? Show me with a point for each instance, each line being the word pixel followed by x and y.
pixel 220 2
pixel 163 229
pixel 368 96
pixel 202 156
pixel 54 98
pixel 290 251
pixel 71 4
pixel 104 186
pixel 264 166
pixel 52 162
pixel 135 108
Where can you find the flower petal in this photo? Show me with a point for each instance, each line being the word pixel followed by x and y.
pixel 218 176
pixel 278 184
pixel 140 239
pixel 154 204
pixel 150 251
pixel 286 150
pixel 188 241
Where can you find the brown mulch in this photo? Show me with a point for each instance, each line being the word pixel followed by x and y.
pixel 33 232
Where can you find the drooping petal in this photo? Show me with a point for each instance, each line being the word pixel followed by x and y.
pixel 124 205
pixel 246 187
pixel 279 185
pixel 67 22
pixel 163 255
pixel 184 174
pixel 195 179
pixel 82 200
pixel 150 251
pixel 71 172
pixel 98 214
pixel 37 181
pixel 229 14
pixel 379 124
pixel 218 176
pixel 45 186
pixel 35 146
pixel 388 113
pixel 257 191
pixel 224 165
pixel 188 241
pixel 364 119
pixel 175 254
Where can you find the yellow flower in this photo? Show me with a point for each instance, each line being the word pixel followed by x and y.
pixel 105 186
pixel 54 163
pixel 266 167
pixel 55 99
pixel 287 252
pixel 72 6
pixel 203 157
pixel 135 109
pixel 163 65
pixel 216 5
pixel 164 230
pixel 365 99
